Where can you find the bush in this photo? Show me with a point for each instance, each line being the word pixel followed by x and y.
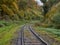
pixel 56 20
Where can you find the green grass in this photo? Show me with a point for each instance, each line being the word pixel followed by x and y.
pixel 2 21
pixel 55 33
pixel 51 30
pixel 7 32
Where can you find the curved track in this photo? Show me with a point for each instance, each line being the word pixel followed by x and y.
pixel 27 36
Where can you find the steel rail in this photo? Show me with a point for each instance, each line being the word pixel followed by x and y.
pixel 38 37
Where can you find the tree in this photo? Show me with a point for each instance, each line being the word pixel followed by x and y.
pixel 48 4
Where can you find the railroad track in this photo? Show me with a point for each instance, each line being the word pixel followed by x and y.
pixel 27 36
pixel 43 42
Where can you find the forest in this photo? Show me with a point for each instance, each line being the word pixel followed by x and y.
pixel 45 19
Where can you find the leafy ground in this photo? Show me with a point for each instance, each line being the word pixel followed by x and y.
pixel 52 35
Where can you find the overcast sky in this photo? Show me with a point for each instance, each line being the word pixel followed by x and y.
pixel 39 2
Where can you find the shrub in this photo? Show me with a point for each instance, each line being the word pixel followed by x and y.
pixel 56 20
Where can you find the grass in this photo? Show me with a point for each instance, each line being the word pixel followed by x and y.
pixel 52 33
pixel 7 32
pixel 8 35
pixel 50 30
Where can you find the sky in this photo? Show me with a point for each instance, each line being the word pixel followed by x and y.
pixel 39 2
